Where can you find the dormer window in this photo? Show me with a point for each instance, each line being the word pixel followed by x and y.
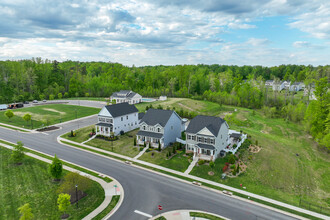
pixel 144 127
pixel 158 129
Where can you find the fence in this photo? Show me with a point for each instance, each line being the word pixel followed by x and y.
pixel 314 207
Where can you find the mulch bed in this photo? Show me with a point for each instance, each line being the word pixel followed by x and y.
pixel 81 195
pixel 50 128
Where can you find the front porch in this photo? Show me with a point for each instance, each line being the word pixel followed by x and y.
pixel 201 151
pixel 150 138
pixel 103 129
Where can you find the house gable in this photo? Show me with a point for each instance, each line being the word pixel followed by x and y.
pixel 206 132
pixel 105 112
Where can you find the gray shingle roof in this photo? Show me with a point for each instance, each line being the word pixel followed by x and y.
pixel 123 93
pixel 206 146
pixel 121 109
pixel 212 123
pixel 141 115
pixel 157 116
pixel 150 134
pixel 235 135
pixel 104 124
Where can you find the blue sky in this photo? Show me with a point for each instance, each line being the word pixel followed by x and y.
pixel 168 32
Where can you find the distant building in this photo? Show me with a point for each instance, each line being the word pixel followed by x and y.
pixel 297 86
pixel 117 118
pixel 162 98
pixel 126 96
pixel 269 83
pixel 159 126
pixel 278 86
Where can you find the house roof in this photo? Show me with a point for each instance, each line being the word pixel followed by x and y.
pixel 141 114
pixel 157 116
pixel 235 135
pixel 123 94
pixel 150 134
pixel 212 123
pixel 296 83
pixel 206 146
pixel 121 109
pixel 104 125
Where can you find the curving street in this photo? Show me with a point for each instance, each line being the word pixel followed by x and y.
pixel 144 190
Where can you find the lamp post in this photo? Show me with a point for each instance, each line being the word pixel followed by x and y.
pixel 77 195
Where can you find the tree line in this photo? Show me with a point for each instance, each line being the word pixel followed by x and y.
pixel 231 85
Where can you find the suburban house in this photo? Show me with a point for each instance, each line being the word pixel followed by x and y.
pixel 269 83
pixel 206 136
pixel 278 86
pixel 297 86
pixel 286 84
pixel 126 96
pixel 159 126
pixel 117 118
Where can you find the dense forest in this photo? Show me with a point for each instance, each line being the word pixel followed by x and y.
pixel 232 85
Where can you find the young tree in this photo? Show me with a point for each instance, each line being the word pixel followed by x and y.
pixel 144 144
pixel 159 147
pixel 231 159
pixel 9 114
pixel 237 170
pixel 173 149
pixel 56 168
pixel 134 141
pixel 63 202
pixel 17 154
pixel 59 95
pixel 27 117
pixel 70 181
pixel 26 212
pixel 211 164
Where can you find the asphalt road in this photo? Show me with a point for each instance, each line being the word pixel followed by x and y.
pixel 144 190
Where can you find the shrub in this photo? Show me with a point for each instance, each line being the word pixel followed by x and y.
pixel 17 154
pixel 231 159
pixel 134 142
pixel 232 167
pixel 144 144
pixel 26 212
pixel 237 170
pixel 201 162
pixel 212 164
pixel 70 181
pixel 66 95
pixel 59 95
pixel 173 149
pixel 169 153
pixel 56 168
pixel 152 154
pixel 63 202
pixel 159 147
pixel 141 148
pixel 9 114
pixel 234 146
pixel 234 172
pixel 51 97
pixel 122 132
pixel 257 142
pixel 250 157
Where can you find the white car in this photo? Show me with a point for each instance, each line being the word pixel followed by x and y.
pixel 35 101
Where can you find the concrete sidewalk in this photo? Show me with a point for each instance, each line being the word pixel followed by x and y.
pixel 141 152
pixel 243 192
pixel 110 189
pixel 191 166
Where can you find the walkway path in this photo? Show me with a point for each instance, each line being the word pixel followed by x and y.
pixel 275 202
pixel 89 139
pixel 110 189
pixel 141 152
pixel 191 166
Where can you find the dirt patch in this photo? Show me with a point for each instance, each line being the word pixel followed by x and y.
pixel 50 128
pixel 211 173
pixel 53 110
pixel 265 132
pixel 242 169
pixel 254 149
pixel 223 114
pixel 35 117
pixel 184 106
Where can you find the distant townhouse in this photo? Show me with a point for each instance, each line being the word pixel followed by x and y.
pixel 286 85
pixel 296 86
pixel 278 86
pixel 206 136
pixel 269 83
pixel 159 126
pixel 126 96
pixel 117 118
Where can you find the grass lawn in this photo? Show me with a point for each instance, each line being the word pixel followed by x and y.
pixel 82 134
pixel 177 162
pixel 276 171
pixel 204 215
pixel 124 144
pixel 47 115
pixel 102 99
pixel 108 209
pixel 18 186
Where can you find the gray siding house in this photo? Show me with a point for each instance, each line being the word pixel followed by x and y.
pixel 206 136
pixel 117 118
pixel 159 126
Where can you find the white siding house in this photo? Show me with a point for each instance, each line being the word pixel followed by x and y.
pixel 159 126
pixel 206 136
pixel 126 96
pixel 117 118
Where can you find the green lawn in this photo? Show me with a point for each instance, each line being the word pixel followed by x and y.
pixel 108 209
pixel 18 186
pixel 47 115
pixel 124 144
pixel 276 171
pixel 82 134
pixel 204 215
pixel 177 162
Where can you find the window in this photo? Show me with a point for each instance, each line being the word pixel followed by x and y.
pixel 211 141
pixel 102 119
pixel 193 137
pixel 106 129
pixel 144 127
pixel 121 118
pixel 199 139
pixel 158 129
pixel 127 117
pixel 205 140
pixel 189 137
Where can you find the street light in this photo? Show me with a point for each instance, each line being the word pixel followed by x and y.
pixel 77 195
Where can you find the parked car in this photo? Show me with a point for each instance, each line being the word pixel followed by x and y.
pixel 44 100
pixel 35 101
pixel 26 102
pixel 3 107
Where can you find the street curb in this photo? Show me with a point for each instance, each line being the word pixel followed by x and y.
pixel 187 210
pixel 96 179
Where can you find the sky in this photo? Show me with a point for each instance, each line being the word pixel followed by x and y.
pixel 168 32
